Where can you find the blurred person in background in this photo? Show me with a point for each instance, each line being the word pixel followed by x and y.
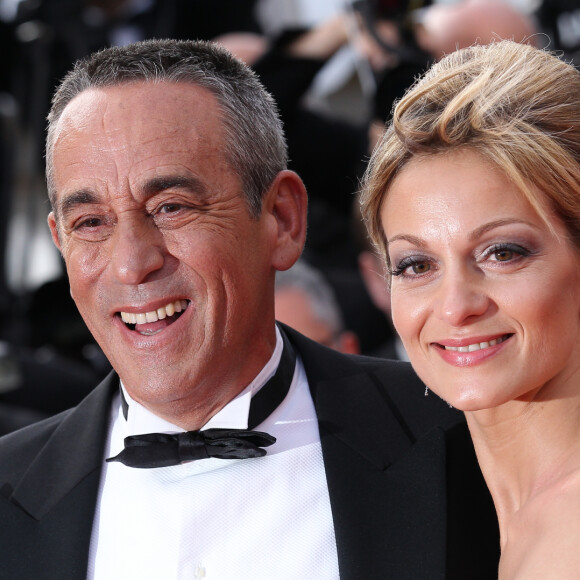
pixel 305 301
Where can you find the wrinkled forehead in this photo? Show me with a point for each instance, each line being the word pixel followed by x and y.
pixel 117 137
pixel 140 106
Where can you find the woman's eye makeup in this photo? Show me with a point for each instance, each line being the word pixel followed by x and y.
pixel 411 266
pixel 418 265
pixel 505 252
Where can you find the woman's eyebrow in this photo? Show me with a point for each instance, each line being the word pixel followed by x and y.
pixel 474 235
pixel 483 229
pixel 407 238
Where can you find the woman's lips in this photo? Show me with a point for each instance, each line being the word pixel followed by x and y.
pixel 477 345
pixel 465 353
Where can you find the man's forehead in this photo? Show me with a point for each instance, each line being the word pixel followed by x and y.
pixel 112 135
pixel 155 99
pixel 141 114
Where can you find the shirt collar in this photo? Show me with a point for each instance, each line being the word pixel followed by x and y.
pixel 233 416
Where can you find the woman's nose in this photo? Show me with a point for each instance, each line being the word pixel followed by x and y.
pixel 461 297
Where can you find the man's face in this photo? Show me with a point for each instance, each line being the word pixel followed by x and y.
pixel 151 219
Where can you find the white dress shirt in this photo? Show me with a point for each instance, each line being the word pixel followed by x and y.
pixel 267 518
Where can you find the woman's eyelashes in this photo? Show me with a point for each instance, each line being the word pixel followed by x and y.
pixel 412 266
pixel 500 253
pixel 505 252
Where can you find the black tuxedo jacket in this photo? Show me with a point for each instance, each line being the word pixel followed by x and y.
pixel 408 500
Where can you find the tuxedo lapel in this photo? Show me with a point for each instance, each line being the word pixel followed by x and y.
pixel 473 530
pixel 72 453
pixel 49 511
pixel 387 491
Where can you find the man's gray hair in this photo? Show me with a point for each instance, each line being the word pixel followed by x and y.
pixel 308 279
pixel 254 138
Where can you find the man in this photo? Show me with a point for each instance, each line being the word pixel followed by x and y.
pixel 305 301
pixel 173 210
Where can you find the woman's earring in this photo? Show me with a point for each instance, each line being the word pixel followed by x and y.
pixel 426 391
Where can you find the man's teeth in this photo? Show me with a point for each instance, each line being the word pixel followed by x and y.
pixel 477 345
pixel 155 315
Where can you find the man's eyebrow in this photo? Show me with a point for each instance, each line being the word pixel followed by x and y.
pixel 72 200
pixel 164 182
pixel 150 188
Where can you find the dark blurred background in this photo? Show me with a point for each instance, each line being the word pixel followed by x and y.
pixel 335 67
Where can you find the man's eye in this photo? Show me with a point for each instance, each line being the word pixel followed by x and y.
pixel 88 223
pixel 170 208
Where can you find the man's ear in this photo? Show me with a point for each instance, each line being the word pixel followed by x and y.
pixel 287 203
pixel 54 230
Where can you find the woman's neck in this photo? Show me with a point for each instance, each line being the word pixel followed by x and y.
pixel 524 447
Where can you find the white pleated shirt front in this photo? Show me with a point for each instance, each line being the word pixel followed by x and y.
pixel 267 518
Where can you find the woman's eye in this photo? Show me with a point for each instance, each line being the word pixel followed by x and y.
pixel 506 252
pixel 503 255
pixel 420 268
pixel 412 267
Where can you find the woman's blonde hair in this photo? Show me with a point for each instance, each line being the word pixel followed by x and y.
pixel 516 105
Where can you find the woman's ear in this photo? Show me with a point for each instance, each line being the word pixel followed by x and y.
pixel 287 202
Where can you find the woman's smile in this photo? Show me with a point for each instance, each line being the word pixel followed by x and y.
pixel 485 294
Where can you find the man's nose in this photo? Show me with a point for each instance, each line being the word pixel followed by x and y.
pixel 138 250
pixel 461 296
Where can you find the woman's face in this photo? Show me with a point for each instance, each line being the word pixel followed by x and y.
pixel 484 296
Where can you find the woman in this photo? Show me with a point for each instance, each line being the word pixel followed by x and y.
pixel 473 198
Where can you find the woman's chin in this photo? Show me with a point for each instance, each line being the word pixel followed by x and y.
pixel 467 402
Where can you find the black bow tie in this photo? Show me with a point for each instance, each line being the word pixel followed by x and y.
pixel 162 450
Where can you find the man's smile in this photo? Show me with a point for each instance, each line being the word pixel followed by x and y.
pixel 154 321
